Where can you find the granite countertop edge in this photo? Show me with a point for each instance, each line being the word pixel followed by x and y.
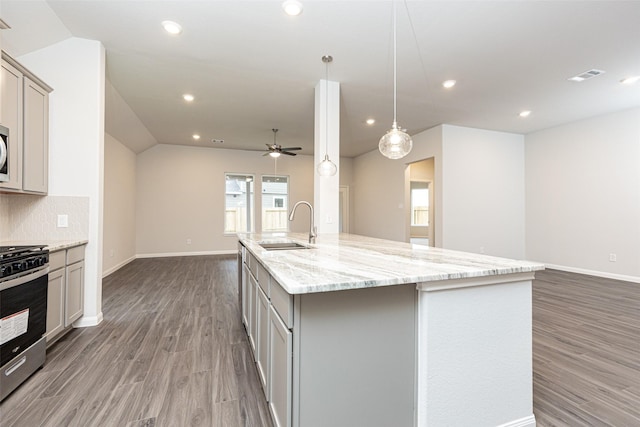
pixel 52 245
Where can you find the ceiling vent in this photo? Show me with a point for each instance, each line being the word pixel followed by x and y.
pixel 586 75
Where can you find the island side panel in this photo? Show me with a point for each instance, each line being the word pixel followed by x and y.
pixel 355 357
pixel 475 354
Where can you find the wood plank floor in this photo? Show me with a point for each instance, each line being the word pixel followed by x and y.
pixel 586 350
pixel 172 352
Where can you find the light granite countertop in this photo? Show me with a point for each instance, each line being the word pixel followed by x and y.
pixel 52 245
pixel 347 261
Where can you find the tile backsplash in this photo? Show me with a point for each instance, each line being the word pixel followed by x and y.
pixel 26 217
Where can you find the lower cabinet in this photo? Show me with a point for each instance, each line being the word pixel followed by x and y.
pixel 280 370
pixel 253 319
pixel 262 347
pixel 65 303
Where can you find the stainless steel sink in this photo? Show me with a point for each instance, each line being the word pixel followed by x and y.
pixel 282 246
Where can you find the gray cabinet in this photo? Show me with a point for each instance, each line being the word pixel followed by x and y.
pixel 35 162
pixel 25 111
pixel 262 346
pixel 11 117
pixel 65 302
pixel 280 370
pixel 74 298
pixel 55 296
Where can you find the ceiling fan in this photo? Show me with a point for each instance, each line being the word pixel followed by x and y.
pixel 274 150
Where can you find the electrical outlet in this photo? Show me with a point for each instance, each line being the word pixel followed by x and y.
pixel 613 257
pixel 188 241
pixel 63 221
pixel 481 249
pixel 329 221
pixel 111 252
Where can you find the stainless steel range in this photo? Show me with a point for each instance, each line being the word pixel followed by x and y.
pixel 24 272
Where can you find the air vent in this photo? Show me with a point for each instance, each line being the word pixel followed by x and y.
pixel 586 75
pixel 217 141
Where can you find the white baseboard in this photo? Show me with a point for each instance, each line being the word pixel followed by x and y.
pixel 529 421
pixel 85 321
pixel 117 267
pixel 604 274
pixel 175 254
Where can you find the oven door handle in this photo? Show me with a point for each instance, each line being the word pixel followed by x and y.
pixel 31 275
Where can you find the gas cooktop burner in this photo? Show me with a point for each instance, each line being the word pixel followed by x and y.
pixel 16 260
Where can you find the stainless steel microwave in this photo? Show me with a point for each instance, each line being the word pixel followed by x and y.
pixel 4 154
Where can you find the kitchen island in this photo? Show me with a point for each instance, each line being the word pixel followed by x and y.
pixel 357 331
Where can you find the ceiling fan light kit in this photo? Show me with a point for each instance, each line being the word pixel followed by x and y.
pixel 275 150
pixel 396 143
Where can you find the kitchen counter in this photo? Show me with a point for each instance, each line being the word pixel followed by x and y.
pixel 347 261
pixel 52 245
pixel 364 331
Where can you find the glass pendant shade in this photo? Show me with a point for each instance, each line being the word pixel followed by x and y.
pixel 327 167
pixel 395 144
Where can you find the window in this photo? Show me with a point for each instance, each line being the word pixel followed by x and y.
pixel 275 203
pixel 419 203
pixel 238 217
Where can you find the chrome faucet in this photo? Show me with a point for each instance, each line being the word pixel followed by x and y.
pixel 313 232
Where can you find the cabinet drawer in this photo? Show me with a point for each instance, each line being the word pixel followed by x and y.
pixel 263 280
pixel 75 254
pixel 252 263
pixel 282 303
pixel 56 260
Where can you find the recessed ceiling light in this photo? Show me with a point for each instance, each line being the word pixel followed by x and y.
pixel 371 121
pixel 188 97
pixel 448 84
pixel 292 7
pixel 525 113
pixel 171 27
pixel 196 136
pixel 630 80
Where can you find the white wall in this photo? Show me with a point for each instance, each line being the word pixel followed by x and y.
pixel 75 68
pixel 378 189
pixel 583 195
pixel 180 195
pixel 119 245
pixel 478 190
pixel 483 191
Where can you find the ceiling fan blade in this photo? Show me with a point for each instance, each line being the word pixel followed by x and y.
pixel 291 148
pixel 288 153
pixel 266 154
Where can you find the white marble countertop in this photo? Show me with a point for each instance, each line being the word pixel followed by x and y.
pixel 347 261
pixel 52 245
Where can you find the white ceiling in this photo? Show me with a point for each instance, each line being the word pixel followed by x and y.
pixel 252 68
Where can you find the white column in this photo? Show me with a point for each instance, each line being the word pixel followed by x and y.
pixel 327 124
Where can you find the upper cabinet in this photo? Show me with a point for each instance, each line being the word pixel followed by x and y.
pixel 25 111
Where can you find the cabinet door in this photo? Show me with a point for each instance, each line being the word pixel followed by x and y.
pixel 55 303
pixel 280 370
pixel 11 80
pixel 35 138
pixel 245 295
pixel 253 320
pixel 74 303
pixel 262 351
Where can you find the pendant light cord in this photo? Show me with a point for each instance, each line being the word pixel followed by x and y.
pixel 326 106
pixel 395 55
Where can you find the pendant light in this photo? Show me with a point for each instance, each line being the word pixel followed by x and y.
pixel 326 167
pixel 396 143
